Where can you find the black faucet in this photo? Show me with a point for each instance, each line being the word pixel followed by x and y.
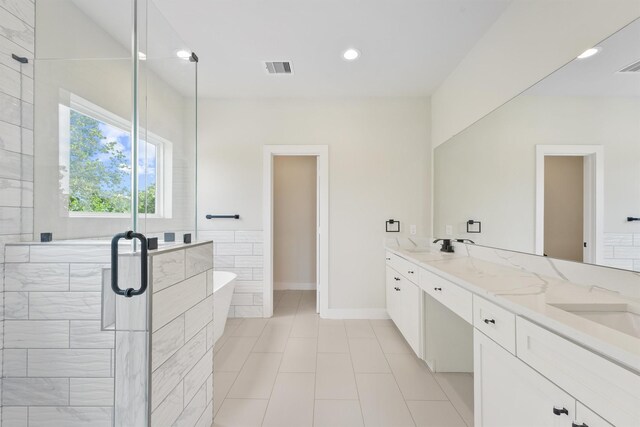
pixel 446 245
pixel 466 240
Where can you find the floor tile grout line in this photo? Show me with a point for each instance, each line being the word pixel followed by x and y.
pixel 355 379
pixel 451 402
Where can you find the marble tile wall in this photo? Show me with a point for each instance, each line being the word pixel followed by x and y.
pixel 240 251
pixel 182 337
pixel 17 21
pixel 58 362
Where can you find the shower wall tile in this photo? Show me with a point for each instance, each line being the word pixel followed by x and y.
pixel 198 317
pixel 70 416
pixel 175 300
pixel 10 137
pixel 167 269
pixel 16 305
pixel 35 334
pixel 79 363
pixel 16 30
pixel 91 392
pixel 28 277
pixel 71 253
pixel 166 341
pixel 14 363
pixel 199 259
pixel 35 391
pixel 65 305
pixel 15 416
pixel 88 334
pixel 86 277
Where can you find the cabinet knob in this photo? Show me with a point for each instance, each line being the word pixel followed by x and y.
pixel 559 411
pixel 397 279
pixel 396 288
pixel 579 425
pixel 437 289
pixel 388 259
pixel 487 321
pixel 411 272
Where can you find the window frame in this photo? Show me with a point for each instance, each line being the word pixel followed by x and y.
pixel 164 156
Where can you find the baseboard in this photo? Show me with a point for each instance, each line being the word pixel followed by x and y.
pixel 355 313
pixel 282 286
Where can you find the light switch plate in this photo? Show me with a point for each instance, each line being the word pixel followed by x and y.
pixel 413 230
pixel 449 230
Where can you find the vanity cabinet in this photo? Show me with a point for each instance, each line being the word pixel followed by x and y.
pixel 508 393
pixel 403 306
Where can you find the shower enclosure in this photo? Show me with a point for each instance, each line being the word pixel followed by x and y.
pixel 106 122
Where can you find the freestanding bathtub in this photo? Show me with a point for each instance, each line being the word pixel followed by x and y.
pixel 223 284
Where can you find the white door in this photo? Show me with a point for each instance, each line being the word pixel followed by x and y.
pixel 509 393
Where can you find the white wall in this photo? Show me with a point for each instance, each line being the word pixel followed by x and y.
pixel 294 222
pixel 378 165
pixel 531 39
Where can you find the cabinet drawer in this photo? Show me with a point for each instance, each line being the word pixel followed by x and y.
pixel 608 389
pixel 495 322
pixel 404 267
pixel 448 294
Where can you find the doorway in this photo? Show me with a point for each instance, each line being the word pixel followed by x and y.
pixel 569 202
pixel 295 218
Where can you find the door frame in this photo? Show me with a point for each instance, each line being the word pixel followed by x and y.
pixel 593 192
pixel 321 152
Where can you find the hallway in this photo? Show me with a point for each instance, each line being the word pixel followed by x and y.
pixel 296 370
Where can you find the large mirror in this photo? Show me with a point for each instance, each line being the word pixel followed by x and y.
pixel 555 171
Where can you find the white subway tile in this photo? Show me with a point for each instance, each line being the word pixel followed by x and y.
pixel 626 252
pixel 9 133
pixel 618 239
pixel 199 259
pixel 167 269
pixel 250 287
pixel 23 9
pixel 234 249
pixel 216 236
pixel 167 376
pixel 65 305
pixel 36 277
pixel 194 409
pixel 249 262
pixel 258 274
pixel 198 317
pixel 607 252
pixel 249 236
pixel 91 392
pixel 198 375
pixel 36 334
pixel 14 363
pixel 16 30
pixel 69 363
pixel 35 391
pixel 206 419
pixel 16 305
pixel 89 334
pixel 247 311
pixel 15 416
pixel 166 341
pixel 167 413
pixel 86 277
pixel 16 253
pixel 10 218
pixel 242 273
pixel 70 416
pixel 258 299
pixel 223 261
pixel 9 105
pixel 175 300
pixel 258 249
pixel 625 264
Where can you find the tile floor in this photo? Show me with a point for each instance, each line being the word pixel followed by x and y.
pixel 297 370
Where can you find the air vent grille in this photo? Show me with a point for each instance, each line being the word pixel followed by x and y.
pixel 633 68
pixel 278 67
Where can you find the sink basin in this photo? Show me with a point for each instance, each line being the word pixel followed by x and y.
pixel 621 317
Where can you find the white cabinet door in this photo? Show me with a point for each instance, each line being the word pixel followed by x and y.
pixel 403 306
pixel 508 393
pixel 393 279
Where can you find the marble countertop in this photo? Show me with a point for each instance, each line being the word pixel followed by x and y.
pixel 537 297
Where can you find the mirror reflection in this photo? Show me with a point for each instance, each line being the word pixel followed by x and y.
pixel 555 171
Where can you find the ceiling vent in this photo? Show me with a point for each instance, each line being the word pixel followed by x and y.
pixel 633 68
pixel 278 67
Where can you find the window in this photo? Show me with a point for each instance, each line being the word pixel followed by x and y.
pixel 96 164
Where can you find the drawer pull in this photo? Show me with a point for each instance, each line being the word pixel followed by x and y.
pixel 437 289
pixel 396 288
pixel 579 425
pixel 388 259
pixel 397 279
pixel 559 412
pixel 493 321
pixel 411 272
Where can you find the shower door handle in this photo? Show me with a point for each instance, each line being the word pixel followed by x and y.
pixel 129 235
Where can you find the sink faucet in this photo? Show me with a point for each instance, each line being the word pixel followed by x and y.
pixel 446 245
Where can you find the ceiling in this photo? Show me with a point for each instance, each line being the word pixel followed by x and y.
pixel 598 75
pixel 408 46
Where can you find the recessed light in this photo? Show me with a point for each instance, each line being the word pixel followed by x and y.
pixel 183 54
pixel 351 54
pixel 589 53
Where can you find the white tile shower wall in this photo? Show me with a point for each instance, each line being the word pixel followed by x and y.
pixel 241 252
pixel 622 250
pixel 17 21
pixel 182 338
pixel 58 364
